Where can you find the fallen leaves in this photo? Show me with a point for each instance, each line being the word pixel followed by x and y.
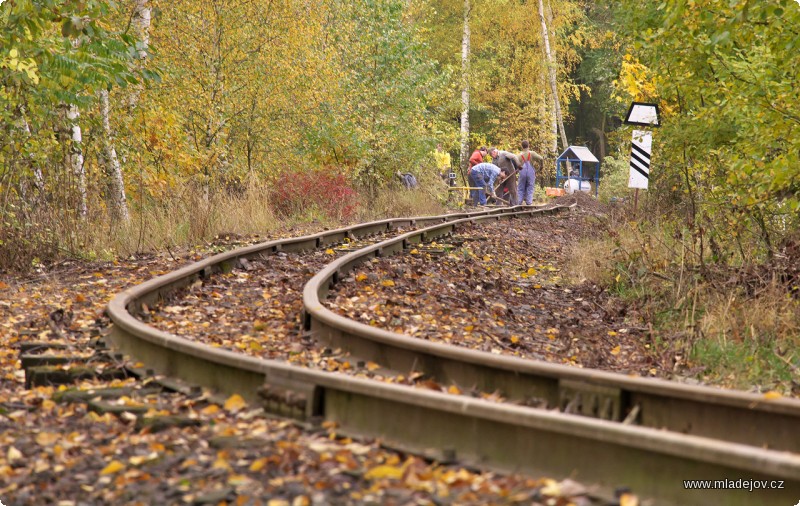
pixel 235 403
pixel 497 289
pixel 114 466
pixel 60 452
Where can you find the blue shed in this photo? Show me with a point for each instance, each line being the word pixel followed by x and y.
pixel 578 163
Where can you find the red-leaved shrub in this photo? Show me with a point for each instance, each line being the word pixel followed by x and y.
pixel 331 193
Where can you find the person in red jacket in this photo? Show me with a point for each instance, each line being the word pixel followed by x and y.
pixel 475 159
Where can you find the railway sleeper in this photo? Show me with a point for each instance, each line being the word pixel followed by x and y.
pixel 291 397
pixel 596 401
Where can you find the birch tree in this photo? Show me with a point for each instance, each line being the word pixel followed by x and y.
pixel 141 29
pixel 71 139
pixel 115 193
pixel 109 161
pixel 551 69
pixel 465 42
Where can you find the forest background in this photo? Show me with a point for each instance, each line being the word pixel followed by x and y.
pixel 137 125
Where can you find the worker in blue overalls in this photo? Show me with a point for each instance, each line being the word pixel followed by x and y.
pixel 483 176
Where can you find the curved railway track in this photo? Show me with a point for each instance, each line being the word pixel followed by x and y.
pixel 654 434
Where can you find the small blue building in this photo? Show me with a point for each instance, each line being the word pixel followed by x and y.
pixel 577 163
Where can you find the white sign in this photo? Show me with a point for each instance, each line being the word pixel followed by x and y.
pixel 643 114
pixel 641 147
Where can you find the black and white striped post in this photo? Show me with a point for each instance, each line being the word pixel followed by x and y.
pixel 642 114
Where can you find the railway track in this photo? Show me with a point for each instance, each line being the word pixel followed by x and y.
pixel 653 434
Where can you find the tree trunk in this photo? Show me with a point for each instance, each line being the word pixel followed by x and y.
pixel 38 177
pixel 141 28
pixel 465 39
pixel 115 196
pixel 551 67
pixel 73 161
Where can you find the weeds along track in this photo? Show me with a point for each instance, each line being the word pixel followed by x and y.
pixel 653 433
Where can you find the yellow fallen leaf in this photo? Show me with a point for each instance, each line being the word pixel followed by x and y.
pixel 221 463
pixel 486 258
pixel 114 466
pixel 551 488
pixel 628 500
pixel 384 472
pixel 772 394
pixel 514 339
pixel 372 366
pixel 615 351
pixel 211 409
pixel 47 438
pixel 537 286
pixel 414 251
pixel 531 271
pixel 258 465
pixel 612 333
pixel 387 282
pixel 238 479
pixel 329 251
pixel 13 454
pixel 301 500
pixel 138 460
pixel 188 463
pixel 452 389
pixel 361 277
pixel 469 328
pixel 235 402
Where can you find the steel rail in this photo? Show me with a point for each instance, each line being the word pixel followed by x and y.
pixel 600 452
pixel 735 416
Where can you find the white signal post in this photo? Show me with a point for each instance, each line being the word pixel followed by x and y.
pixel 646 115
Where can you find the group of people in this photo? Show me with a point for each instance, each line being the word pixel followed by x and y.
pixel 516 173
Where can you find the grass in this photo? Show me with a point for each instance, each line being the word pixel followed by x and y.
pixel 722 323
pixel 188 217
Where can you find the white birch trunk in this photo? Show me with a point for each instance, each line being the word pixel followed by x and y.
pixel 465 41
pixel 117 204
pixel 38 177
pixel 554 127
pixel 551 67
pixel 141 27
pixel 73 162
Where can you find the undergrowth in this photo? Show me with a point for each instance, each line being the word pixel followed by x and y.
pixel 725 323
pixel 192 215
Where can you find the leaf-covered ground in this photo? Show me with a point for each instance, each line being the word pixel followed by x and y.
pixel 130 441
pixel 499 287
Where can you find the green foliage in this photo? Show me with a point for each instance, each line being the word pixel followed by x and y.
pixel 377 119
pixel 725 73
pixel 52 54
pixel 614 183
